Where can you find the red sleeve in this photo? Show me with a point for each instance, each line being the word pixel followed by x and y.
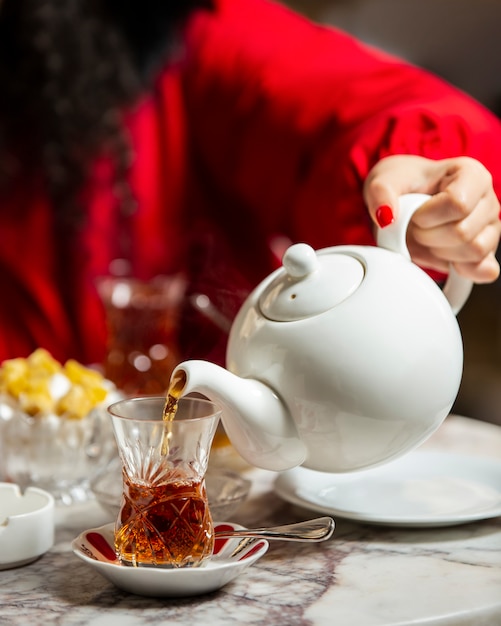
pixel 294 115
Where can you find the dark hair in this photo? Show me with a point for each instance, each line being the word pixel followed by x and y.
pixel 67 70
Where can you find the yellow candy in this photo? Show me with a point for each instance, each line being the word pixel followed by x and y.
pixel 42 362
pixel 29 382
pixel 33 400
pixel 76 404
pixel 77 373
pixel 13 375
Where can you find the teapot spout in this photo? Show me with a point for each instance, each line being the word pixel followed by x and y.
pixel 255 419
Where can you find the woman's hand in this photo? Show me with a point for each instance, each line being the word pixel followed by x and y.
pixel 460 224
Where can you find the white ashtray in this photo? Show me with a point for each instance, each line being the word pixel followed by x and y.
pixel 26 524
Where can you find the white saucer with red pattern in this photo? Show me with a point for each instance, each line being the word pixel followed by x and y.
pixel 231 558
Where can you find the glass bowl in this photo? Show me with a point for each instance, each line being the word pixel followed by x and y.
pixel 55 453
pixel 226 490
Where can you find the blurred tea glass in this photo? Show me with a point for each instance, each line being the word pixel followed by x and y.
pixel 164 518
pixel 142 321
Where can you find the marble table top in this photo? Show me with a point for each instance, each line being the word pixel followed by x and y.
pixel 363 576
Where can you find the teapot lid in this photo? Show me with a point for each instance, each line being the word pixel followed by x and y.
pixel 309 284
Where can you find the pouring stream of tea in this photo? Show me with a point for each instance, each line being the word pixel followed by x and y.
pixel 170 410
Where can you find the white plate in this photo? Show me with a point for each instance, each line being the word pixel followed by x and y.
pixel 420 489
pixel 95 547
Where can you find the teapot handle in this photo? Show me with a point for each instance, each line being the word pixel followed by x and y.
pixel 393 237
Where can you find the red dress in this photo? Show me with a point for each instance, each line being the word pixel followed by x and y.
pixel 261 132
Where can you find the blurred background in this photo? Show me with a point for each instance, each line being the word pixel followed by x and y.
pixel 458 40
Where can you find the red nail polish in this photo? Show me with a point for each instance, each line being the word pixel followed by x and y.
pixel 384 216
pixel 499 215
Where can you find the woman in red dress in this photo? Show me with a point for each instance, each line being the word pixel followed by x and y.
pixel 202 137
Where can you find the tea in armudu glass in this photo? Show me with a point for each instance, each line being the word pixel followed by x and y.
pixel 164 519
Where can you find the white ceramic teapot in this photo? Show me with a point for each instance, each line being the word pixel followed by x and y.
pixel 342 359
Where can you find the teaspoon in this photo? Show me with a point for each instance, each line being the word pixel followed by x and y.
pixel 318 529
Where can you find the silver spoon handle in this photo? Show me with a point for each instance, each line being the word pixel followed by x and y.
pixel 318 529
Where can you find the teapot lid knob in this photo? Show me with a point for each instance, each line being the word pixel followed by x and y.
pixel 309 283
pixel 300 260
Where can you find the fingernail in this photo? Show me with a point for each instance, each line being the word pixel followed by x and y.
pixel 384 216
pixel 499 215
